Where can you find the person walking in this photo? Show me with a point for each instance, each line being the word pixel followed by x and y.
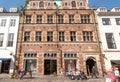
pixel 110 77
pixel 94 72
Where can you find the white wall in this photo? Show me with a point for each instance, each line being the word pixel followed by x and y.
pixel 110 54
pixel 5 50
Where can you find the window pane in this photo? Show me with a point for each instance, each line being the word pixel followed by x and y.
pixel 3 22
pixel 49 36
pixel 38 36
pixel 12 22
pixel 10 39
pixel 87 36
pixel 73 36
pixel 110 41
pixel 1 39
pixel 28 18
pixel 27 36
pixel 61 36
pixel 117 21
pixel 106 21
pixel 39 19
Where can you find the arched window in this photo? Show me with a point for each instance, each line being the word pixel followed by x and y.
pixel 41 4
pixel 73 4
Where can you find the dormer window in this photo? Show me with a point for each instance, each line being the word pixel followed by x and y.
pixel 117 9
pixel 41 4
pixel 73 4
pixel 102 9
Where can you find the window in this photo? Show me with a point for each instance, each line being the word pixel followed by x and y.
pixel 85 18
pixel 70 64
pixel 50 19
pixel 50 55
pixel 87 36
pixel 1 39
pixel 73 4
pixel 41 4
pixel 39 19
pixel 33 4
pixel 12 22
pixel 3 22
pixel 28 18
pixel 49 36
pixel 72 36
pixel 71 18
pixel 49 4
pixel 81 4
pixel 70 55
pixel 27 36
pixel 30 64
pixel 60 18
pixel 110 41
pixel 10 40
pixel 117 21
pixel 38 36
pixel 106 21
pixel 61 36
pixel 65 4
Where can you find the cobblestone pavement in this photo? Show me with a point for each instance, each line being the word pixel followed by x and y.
pixel 5 78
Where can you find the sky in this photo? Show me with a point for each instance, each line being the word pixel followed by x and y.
pixel 109 4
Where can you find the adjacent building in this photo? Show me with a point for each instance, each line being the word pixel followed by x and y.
pixel 109 27
pixel 9 23
pixel 53 37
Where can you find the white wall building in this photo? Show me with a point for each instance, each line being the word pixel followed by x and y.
pixel 109 27
pixel 9 23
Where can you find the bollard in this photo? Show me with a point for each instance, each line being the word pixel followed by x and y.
pixel 11 75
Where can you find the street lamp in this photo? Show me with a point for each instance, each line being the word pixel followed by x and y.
pixel 57 4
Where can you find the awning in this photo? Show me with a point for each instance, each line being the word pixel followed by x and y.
pixel 3 59
pixel 115 61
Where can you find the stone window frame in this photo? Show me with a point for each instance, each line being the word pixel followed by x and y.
pixel 60 19
pixel 28 18
pixel 71 18
pixel 73 3
pixel 27 36
pixel 49 36
pixel 38 37
pixel 61 36
pixel 72 36
pixel 85 18
pixel 39 19
pixel 87 36
pixel 49 18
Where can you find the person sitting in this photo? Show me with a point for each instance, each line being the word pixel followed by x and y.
pixel 83 75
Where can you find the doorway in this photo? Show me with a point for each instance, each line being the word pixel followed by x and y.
pixel 5 66
pixel 89 65
pixel 50 66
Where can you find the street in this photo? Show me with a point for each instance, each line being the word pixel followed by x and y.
pixel 5 78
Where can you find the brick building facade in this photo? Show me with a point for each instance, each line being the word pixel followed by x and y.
pixel 51 38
